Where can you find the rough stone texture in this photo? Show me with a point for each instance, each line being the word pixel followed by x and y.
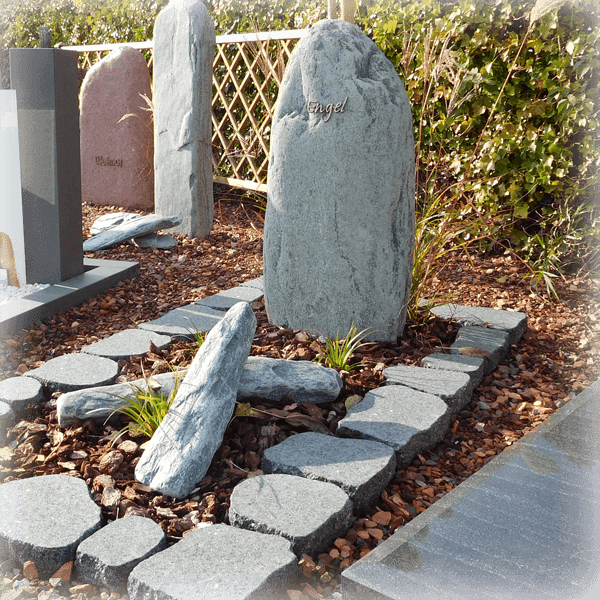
pixel 225 300
pixel 107 557
pixel 179 453
pixel 127 343
pixel 183 322
pixel 72 372
pixel 218 562
pixel 116 156
pixel 342 185
pixel 302 381
pixel 453 388
pixel 407 420
pixel 258 283
pixel 21 392
pixel 514 323
pixel 309 513
pixel 362 468
pixel 7 420
pixel 471 365
pixel 126 231
pixel 184 42
pixel 106 222
pixel 155 240
pixel 492 341
pixel 27 532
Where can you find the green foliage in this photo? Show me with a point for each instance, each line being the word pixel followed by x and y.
pixel 337 353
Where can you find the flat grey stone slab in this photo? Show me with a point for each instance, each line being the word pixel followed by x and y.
pixel 7 420
pixel 514 323
pixel 44 519
pixel 362 468
pixel 453 388
pixel 106 222
pixel 492 341
pixel 311 514
pixel 155 240
pixel 218 562
pixel 183 322
pixel 258 283
pixel 107 557
pixel 21 392
pixel 71 372
pixel 225 300
pixel 128 343
pixel 407 420
pixel 471 365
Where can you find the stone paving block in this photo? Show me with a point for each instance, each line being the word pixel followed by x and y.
pixel 71 372
pixel 492 341
pixel 471 365
pixel 44 519
pixel 225 300
pixel 362 468
pixel 514 323
pixel 453 388
pixel 107 557
pixel 7 420
pixel 21 392
pixel 127 343
pixel 184 322
pixel 407 420
pixel 311 514
pixel 218 562
pixel 258 283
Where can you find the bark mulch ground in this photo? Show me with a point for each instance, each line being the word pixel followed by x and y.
pixel 557 357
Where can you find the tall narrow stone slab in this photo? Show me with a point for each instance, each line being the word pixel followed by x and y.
pixel 48 122
pixel 341 184
pixel 117 155
pixel 184 42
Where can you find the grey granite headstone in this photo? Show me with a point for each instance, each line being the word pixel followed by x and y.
pixel 184 43
pixel 21 392
pixel 339 226
pixel 127 343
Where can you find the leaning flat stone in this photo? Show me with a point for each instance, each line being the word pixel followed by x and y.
pixel 309 513
pixel 218 562
pixel 106 222
pixel 362 468
pixel 155 240
pixel 21 392
pixel 183 322
pixel 7 420
pixel 179 453
pixel 492 341
pixel 407 420
pixel 107 557
pixel 302 381
pixel 471 365
pixel 453 388
pixel 125 231
pixel 71 372
pixel 514 323
pixel 127 343
pixel 99 403
pixel 225 300
pixel 44 519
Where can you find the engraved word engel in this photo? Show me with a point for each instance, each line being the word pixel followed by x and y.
pixel 109 162
pixel 315 107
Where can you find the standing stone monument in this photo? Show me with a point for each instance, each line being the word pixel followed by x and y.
pixel 117 154
pixel 46 86
pixel 339 226
pixel 184 43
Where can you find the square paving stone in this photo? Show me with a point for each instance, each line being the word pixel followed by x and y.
pixel 183 323
pixel 225 300
pixel 471 365
pixel 492 341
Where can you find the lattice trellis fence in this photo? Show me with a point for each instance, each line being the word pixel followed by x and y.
pixel 247 72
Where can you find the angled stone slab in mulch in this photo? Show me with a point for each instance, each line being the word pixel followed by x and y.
pixel 107 557
pixel 21 392
pixel 407 420
pixel 258 283
pixel 45 518
pixel 471 365
pixel 453 388
pixel 217 562
pixel 362 468
pixel 514 323
pixel 127 230
pixel 225 300
pixel 72 372
pixel 128 343
pixel 184 322
pixel 492 341
pixel 310 514
pixel 106 222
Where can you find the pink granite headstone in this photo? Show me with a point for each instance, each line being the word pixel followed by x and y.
pixel 117 155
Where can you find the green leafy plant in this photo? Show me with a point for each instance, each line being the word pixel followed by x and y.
pixel 337 353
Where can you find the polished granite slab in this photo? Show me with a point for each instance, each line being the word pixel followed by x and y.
pixel 526 525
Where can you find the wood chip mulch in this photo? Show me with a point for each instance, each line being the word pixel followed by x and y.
pixel 556 358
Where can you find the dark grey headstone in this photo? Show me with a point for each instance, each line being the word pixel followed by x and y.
pixel 21 392
pixel 127 343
